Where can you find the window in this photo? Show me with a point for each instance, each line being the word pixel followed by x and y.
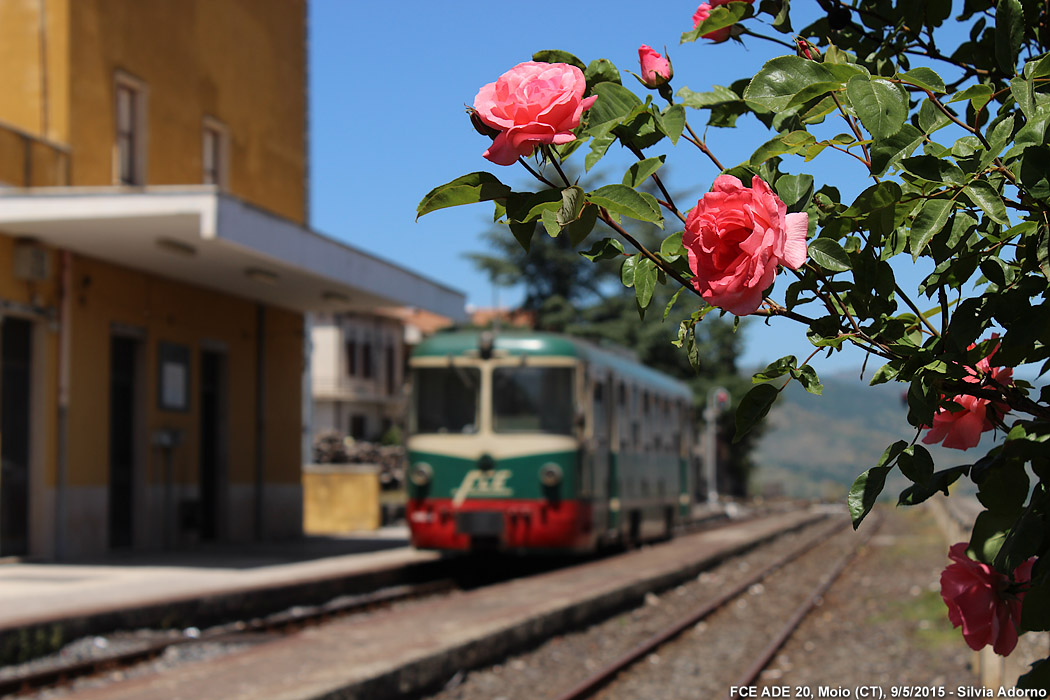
pixel 445 400
pixel 214 140
pixel 391 371
pixel 366 360
pixel 532 399
pixel 351 358
pixel 130 154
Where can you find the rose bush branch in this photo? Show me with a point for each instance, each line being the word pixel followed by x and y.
pixel 969 200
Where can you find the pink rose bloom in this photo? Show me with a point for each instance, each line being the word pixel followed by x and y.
pixel 736 237
pixel 656 70
pixel 704 11
pixel 530 104
pixel 962 429
pixel 976 597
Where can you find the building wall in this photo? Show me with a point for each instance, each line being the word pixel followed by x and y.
pixel 242 62
pixel 340 394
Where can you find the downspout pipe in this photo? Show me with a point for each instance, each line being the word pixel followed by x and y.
pixel 260 417
pixel 65 344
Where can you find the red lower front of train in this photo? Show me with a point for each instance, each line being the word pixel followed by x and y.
pixel 501 524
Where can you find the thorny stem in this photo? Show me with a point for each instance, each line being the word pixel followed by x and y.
pixel 657 260
pixel 913 307
pixel 669 204
pixel 856 132
pixel 557 166
pixel 767 38
pixel 699 143
pixel 537 175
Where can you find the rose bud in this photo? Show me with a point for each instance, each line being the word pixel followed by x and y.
pixel 704 11
pixel 656 70
pixel 806 49
pixel 480 126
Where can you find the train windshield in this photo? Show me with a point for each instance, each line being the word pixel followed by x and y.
pixel 445 399
pixel 532 399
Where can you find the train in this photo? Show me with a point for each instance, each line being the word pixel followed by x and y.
pixel 539 442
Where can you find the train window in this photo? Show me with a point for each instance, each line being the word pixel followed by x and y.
pixel 532 399
pixel 445 399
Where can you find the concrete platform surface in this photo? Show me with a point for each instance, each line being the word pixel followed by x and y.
pixel 36 594
pixel 398 651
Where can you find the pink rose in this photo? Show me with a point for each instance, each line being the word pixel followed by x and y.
pixel 977 599
pixel 704 11
pixel 961 429
pixel 530 104
pixel 736 237
pixel 656 70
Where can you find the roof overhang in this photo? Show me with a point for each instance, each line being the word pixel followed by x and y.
pixel 205 238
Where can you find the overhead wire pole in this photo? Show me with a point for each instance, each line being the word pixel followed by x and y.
pixel 717 401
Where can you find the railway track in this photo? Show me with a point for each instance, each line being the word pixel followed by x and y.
pixel 589 687
pixel 50 674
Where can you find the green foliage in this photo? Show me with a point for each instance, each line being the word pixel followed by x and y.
pixel 953 137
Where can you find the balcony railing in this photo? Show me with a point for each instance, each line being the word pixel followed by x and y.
pixel 27 160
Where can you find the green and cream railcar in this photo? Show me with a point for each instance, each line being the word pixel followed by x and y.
pixel 535 441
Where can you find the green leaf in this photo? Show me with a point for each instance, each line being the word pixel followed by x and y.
pixel 605 249
pixel 671 247
pixel 718 18
pixel 1009 32
pixel 827 253
pixel 792 142
pixel 699 100
pixel 1038 676
pixel 930 221
pixel 627 270
pixel 627 201
pixel 775 369
pixel 638 172
pixel 644 282
pixel 864 492
pixel 782 78
pixel 984 195
pixel 599 145
pixel 886 152
pixel 670 304
pixel 795 191
pixel 753 408
pixel 601 70
pixel 671 121
pixel 614 103
pixel 938 483
pixel 989 533
pixel 469 189
pixel 523 233
pixel 924 78
pixel 978 95
pixel 916 463
pixel 556 56
pixel 939 170
pixel 581 228
pixel 1035 611
pixel 806 375
pixel 879 104
pixel 549 219
pixel 572 201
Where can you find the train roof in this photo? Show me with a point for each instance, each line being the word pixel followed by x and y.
pixel 552 345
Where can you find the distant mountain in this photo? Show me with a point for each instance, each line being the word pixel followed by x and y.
pixel 815 446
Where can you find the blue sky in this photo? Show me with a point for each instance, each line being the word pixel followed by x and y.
pixel 388 85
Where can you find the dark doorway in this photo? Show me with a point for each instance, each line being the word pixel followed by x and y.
pixel 15 339
pixel 212 463
pixel 123 399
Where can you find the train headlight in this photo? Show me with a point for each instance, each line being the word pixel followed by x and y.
pixel 420 474
pixel 550 474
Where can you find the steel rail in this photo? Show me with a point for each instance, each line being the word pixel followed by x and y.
pixel 284 622
pixel 748 678
pixel 603 676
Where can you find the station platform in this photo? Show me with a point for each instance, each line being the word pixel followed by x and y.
pixel 45 605
pixel 396 652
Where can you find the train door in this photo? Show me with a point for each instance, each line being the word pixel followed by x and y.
pixel 15 349
pixel 617 394
pixel 599 457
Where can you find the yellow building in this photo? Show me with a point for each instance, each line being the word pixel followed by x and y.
pixel 155 270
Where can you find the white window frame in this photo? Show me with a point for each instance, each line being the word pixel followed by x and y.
pixel 140 130
pixel 222 152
